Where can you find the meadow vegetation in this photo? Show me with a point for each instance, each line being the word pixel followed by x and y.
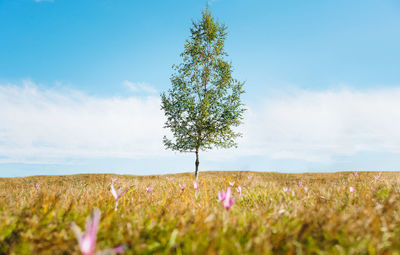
pixel 314 213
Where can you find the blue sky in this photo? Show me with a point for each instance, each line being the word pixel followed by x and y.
pixel 321 82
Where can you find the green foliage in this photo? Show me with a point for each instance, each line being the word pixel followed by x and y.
pixel 204 105
pixel 382 192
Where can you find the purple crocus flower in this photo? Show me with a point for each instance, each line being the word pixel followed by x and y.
pixel 377 177
pixel 355 173
pixel 285 189
pixel 239 190
pixel 87 240
pixel 226 198
pixel 281 211
pixel 117 194
pixel 352 190
pixel 228 202
pixel 37 186
pixel 182 187
pixel 149 189
pixel 195 185
pixel 300 184
pixel 231 184
pixel 119 249
pixel 221 196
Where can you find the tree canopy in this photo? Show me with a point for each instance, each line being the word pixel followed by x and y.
pixel 204 105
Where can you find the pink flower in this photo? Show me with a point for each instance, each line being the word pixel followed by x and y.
pixel 355 173
pixel 87 240
pixel 352 189
pixel 281 211
pixel 221 196
pixel 37 186
pixel 226 198
pixel 231 184
pixel 305 189
pixel 149 189
pixel 239 190
pixel 195 185
pixel 285 189
pixel 228 202
pixel 377 177
pixel 250 177
pixel 300 184
pixel 119 249
pixel 182 187
pixel 117 194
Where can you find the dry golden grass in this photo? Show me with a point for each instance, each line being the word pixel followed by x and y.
pixel 326 219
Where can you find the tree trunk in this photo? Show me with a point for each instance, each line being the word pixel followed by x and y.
pixel 197 165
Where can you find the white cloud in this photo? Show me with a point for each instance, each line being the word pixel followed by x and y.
pixel 318 126
pixel 139 87
pixel 48 125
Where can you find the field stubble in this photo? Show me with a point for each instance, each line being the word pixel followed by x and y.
pixel 321 216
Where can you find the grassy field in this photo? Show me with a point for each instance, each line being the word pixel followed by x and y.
pixel 273 215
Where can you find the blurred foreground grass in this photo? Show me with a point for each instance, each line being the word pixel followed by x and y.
pixel 320 217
